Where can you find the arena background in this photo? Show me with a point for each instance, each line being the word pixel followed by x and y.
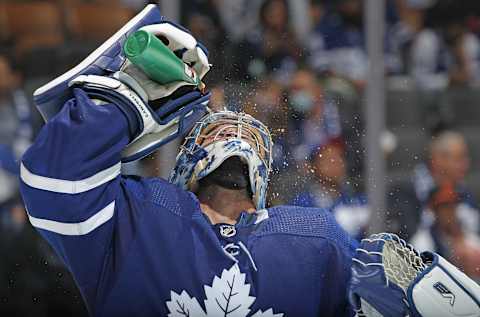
pixel 369 103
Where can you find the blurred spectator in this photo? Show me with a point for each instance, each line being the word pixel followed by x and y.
pixel 443 232
pixel 15 128
pixel 435 46
pixel 337 54
pixel 305 120
pixel 240 17
pixel 314 118
pixel 329 188
pixel 268 105
pixel 15 125
pixel 337 44
pixel 272 48
pixel 448 162
pixel 401 35
pixel 206 26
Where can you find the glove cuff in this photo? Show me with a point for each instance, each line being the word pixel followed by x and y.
pixel 132 83
pixel 149 129
pixel 136 111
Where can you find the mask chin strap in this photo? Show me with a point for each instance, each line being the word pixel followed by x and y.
pixel 193 157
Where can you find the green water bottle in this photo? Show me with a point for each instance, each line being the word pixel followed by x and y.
pixel 153 57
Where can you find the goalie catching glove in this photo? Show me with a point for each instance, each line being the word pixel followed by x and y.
pixel 390 278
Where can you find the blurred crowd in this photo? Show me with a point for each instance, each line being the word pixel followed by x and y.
pixel 300 66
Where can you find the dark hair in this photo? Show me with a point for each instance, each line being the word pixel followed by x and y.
pixel 10 59
pixel 264 8
pixel 337 142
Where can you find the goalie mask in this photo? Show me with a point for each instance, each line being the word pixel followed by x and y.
pixel 219 136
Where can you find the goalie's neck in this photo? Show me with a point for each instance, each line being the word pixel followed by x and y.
pixel 224 205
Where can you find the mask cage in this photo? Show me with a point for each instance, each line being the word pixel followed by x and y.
pixel 230 126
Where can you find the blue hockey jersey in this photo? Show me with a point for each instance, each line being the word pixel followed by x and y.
pixel 143 247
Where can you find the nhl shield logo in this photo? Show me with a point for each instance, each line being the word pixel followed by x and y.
pixel 228 231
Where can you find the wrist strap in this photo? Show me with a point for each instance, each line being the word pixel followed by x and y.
pixel 136 111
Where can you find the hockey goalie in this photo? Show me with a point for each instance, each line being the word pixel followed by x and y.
pixel 202 243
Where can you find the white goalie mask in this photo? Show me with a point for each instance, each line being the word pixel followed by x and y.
pixel 219 136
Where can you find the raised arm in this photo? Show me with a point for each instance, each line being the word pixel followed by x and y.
pixel 71 185
pixel 71 182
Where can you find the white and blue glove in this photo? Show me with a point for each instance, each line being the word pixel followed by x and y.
pixel 390 278
pixel 157 113
pixel 184 45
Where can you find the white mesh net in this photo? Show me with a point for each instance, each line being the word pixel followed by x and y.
pixel 401 261
pixel 401 264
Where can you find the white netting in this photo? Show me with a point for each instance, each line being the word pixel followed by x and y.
pixel 402 263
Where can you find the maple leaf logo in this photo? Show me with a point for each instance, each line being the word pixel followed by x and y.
pixel 229 296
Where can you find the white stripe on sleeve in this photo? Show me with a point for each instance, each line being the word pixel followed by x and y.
pixel 75 229
pixel 66 186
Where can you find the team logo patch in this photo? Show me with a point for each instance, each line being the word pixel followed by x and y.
pixel 445 292
pixel 229 296
pixel 228 231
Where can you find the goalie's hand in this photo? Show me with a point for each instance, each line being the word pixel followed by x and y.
pixel 184 45
pixel 390 278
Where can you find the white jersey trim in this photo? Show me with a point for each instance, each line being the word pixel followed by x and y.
pixel 66 186
pixel 75 229
pixel 262 215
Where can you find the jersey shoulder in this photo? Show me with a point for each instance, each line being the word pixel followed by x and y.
pixel 308 222
pixel 161 193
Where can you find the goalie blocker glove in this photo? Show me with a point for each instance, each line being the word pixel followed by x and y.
pixel 131 90
pixel 390 278
pixel 149 129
